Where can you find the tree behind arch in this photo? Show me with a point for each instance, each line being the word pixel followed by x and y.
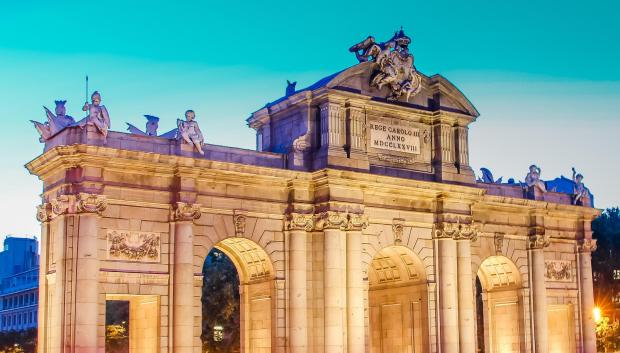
pixel 220 304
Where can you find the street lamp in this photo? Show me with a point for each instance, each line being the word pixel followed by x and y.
pixel 597 314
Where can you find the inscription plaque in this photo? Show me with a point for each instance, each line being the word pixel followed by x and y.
pixel 394 138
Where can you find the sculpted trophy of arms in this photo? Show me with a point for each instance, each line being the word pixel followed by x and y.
pixel 189 131
pixel 55 122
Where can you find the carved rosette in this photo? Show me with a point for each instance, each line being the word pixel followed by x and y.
pixel 456 231
pixel 90 203
pixel 331 220
pixel 538 241
pixel 357 222
pixel 586 245
pixel 398 225
pixel 186 211
pixel 299 221
pixel 43 212
pixel 239 222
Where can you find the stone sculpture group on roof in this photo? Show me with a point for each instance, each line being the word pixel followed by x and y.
pixel 580 193
pixel 394 65
pixel 187 131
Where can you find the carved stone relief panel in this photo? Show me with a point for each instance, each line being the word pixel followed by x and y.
pixel 558 270
pixel 133 246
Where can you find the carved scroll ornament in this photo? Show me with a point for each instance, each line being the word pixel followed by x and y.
pixel 90 203
pixel 456 231
pixel 586 245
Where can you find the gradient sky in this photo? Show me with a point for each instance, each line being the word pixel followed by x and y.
pixel 544 75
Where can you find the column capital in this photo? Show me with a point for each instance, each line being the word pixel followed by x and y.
pixel 44 212
pixel 357 222
pixel 186 211
pixel 90 203
pixel 299 221
pixel 586 245
pixel 331 220
pixel 59 205
pixel 456 231
pixel 538 241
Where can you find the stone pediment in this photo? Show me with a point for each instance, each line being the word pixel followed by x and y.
pixel 356 79
pixel 436 92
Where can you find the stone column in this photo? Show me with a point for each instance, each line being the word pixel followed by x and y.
pixel 183 297
pixel 536 246
pixel 355 284
pixel 584 250
pixel 334 256
pixel 356 129
pixel 467 308
pixel 86 310
pixel 332 125
pixel 43 216
pixel 445 247
pixel 56 309
pixel 298 225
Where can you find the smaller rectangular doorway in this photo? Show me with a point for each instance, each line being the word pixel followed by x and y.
pixel 132 323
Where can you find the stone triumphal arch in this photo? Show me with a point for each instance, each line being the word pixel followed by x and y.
pixel 356 226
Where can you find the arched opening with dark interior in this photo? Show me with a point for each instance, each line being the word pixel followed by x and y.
pixel 237 298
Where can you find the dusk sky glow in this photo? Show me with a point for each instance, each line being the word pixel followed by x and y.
pixel 543 75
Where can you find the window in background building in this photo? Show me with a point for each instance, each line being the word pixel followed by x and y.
pixel 616 298
pixel 616 274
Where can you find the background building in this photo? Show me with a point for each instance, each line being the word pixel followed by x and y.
pixel 19 284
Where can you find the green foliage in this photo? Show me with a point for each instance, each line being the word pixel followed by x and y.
pixel 607 335
pixel 18 341
pixel 220 303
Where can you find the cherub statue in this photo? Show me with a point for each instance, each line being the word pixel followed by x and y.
pixel 189 131
pixel 580 192
pixel 54 123
pixel 533 178
pixel 152 123
pixel 97 115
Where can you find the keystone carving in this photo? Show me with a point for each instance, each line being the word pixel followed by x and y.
pixel 398 224
pixel 239 222
pixel 586 245
pixel 90 203
pixel 498 241
pixel 186 211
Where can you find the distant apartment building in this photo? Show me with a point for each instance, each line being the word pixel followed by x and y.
pixel 19 284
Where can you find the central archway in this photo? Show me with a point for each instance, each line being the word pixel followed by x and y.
pixel 256 291
pixel 397 299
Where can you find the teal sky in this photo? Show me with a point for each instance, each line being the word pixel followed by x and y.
pixel 543 74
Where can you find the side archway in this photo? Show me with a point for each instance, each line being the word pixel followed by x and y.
pixel 499 314
pixel 397 301
pixel 256 292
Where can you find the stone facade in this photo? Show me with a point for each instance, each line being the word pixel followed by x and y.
pixel 357 226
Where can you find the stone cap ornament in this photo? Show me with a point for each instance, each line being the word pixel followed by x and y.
pixel 394 65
